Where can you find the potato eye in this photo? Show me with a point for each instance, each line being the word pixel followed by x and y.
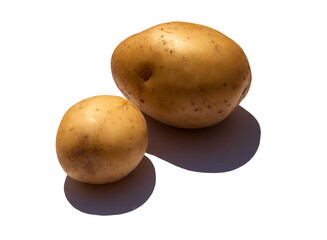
pixel 145 72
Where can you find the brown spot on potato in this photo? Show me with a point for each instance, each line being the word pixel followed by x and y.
pixel 124 104
pixel 97 150
pixel 234 87
pixel 224 84
pixel 142 100
pixel 220 111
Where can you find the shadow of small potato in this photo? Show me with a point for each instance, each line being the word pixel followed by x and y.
pixel 114 198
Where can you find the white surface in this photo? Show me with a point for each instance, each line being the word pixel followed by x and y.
pixel 55 53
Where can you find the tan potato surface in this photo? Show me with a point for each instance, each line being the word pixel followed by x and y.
pixel 182 74
pixel 101 139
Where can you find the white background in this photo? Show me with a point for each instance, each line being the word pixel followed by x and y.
pixel 56 53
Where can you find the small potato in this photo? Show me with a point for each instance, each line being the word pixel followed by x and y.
pixel 183 74
pixel 101 139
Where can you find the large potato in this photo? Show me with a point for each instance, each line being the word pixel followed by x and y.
pixel 182 74
pixel 101 139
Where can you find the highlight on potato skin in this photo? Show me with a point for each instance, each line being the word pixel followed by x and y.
pixel 101 139
pixel 182 74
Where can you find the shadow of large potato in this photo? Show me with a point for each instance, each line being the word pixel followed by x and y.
pixel 220 148
pixel 119 197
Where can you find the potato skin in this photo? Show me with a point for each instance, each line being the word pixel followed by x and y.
pixel 182 74
pixel 101 139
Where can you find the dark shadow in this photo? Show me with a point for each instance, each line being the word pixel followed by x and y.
pixel 220 148
pixel 119 197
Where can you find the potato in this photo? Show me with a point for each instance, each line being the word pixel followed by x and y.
pixel 182 74
pixel 101 139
